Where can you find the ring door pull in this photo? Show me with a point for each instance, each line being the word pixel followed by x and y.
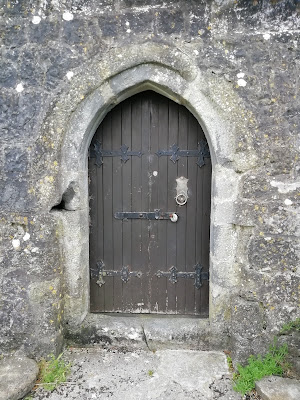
pixel 181 191
pixel 181 199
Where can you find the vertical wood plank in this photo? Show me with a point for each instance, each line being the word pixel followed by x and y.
pixel 199 227
pixel 107 210
pixel 138 264
pixel 145 225
pixel 117 201
pixel 191 218
pixel 99 207
pixel 96 300
pixel 161 262
pixel 130 297
pixel 154 179
pixel 181 244
pixel 172 227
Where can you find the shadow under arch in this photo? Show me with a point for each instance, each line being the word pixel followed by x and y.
pixel 81 128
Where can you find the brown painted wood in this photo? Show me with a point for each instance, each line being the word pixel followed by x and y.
pixel 148 122
pixel 161 180
pixel 117 183
pixel 181 245
pixel 141 292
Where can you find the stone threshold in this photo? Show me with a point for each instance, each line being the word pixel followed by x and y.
pixel 142 331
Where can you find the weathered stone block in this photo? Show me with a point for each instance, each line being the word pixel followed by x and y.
pixel 170 22
pixel 277 388
pixel 141 3
pixel 27 264
pixel 137 22
pixel 74 32
pixel 18 376
pixel 14 123
pixel 14 36
pixel 8 75
pixel 16 7
pixel 273 252
pixel 14 195
pixel 31 73
pixel 16 162
pixel 199 18
pixel 108 25
pixel 44 31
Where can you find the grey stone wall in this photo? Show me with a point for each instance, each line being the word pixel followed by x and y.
pixel 245 55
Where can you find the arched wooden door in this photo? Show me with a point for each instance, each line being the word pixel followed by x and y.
pixel 147 156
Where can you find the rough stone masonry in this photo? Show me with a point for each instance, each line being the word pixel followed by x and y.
pixel 64 65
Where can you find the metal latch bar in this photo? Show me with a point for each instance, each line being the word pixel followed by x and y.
pixel 156 215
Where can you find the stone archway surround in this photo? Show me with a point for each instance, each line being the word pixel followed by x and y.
pixel 170 73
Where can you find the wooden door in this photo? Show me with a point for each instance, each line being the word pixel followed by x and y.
pixel 143 157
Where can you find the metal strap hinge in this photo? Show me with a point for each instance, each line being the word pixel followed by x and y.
pixel 173 274
pixel 99 272
pixel 98 152
pixel 175 153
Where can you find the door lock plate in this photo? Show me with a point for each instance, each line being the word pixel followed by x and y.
pixel 182 191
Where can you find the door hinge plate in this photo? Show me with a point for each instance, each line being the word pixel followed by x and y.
pixel 98 153
pixel 173 274
pixel 201 153
pixel 99 273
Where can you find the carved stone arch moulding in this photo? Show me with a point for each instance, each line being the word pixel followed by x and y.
pixel 122 74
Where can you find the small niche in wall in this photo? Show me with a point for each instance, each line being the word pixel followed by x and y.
pixel 69 200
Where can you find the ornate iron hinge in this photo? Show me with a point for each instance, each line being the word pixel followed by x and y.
pixel 175 153
pixel 98 152
pixel 125 274
pixel 198 275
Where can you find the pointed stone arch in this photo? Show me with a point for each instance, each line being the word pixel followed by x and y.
pixel 170 73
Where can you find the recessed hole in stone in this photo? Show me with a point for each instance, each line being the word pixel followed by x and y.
pixel 69 199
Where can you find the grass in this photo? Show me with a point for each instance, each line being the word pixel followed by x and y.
pixel 150 372
pixel 273 363
pixel 229 362
pixel 53 372
pixel 290 326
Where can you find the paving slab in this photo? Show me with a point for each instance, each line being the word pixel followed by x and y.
pixel 17 377
pixel 141 375
pixel 278 388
